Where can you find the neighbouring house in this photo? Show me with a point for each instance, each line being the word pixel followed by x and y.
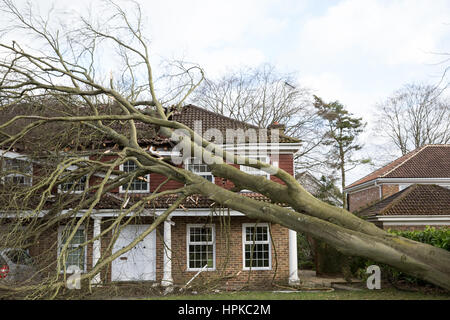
pixel 314 186
pixel 410 192
pixel 194 238
pixel 415 207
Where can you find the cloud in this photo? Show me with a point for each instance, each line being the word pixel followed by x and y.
pixel 391 32
pixel 212 33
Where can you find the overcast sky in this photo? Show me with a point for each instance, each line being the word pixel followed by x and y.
pixel 354 51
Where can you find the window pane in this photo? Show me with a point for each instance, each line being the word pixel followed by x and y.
pixel 201 247
pixel 74 186
pixel 75 256
pixel 257 249
pixel 198 167
pixel 137 184
pixel 255 171
pixel 74 253
pixel 201 255
pixel 17 171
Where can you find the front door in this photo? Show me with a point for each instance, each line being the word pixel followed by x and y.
pixel 139 263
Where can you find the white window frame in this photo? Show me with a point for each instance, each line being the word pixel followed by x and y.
pixel 60 189
pixel 26 175
pixel 245 242
pixel 254 171
pixel 71 168
pixel 188 242
pixel 64 229
pixel 187 161
pixel 123 190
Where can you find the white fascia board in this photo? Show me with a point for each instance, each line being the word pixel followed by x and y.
pixel 280 147
pixel 413 217
pixel 413 220
pixel 364 185
pixel 12 155
pixel 414 180
pixel 379 181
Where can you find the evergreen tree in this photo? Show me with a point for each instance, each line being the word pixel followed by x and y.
pixel 343 130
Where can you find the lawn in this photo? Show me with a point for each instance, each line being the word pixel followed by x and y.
pixel 382 294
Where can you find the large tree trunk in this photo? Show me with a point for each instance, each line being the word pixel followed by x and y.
pixel 417 259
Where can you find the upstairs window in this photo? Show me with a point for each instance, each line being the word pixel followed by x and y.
pixel 196 166
pixel 255 171
pixel 138 184
pixel 17 172
pixel 74 186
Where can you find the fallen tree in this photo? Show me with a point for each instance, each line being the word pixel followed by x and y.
pixel 63 70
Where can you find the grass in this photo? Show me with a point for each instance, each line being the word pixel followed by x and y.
pixel 382 294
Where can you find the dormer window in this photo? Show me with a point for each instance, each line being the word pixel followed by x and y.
pixel 196 166
pixel 138 184
pixel 17 172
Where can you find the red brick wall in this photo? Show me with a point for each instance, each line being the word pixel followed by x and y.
pixel 229 271
pixel 389 189
pixel 360 199
pixel 44 251
pixel 229 262
pixel 285 162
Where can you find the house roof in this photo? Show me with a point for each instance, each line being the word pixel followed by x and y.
pixel 148 133
pixel 212 120
pixel 417 199
pixel 429 161
pixel 189 114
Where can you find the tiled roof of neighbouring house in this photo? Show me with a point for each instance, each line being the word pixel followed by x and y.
pixel 418 199
pixel 429 161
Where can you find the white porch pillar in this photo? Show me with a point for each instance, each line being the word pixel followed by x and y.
pixel 293 262
pixel 167 279
pixel 96 248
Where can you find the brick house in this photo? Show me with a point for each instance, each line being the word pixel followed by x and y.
pixel 314 186
pixel 196 237
pixel 410 192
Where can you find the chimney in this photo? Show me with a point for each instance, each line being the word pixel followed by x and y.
pixel 276 125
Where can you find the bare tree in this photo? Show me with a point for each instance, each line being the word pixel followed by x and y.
pixel 263 96
pixel 62 69
pixel 415 115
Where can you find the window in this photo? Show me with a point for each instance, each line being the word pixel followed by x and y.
pixel 201 247
pixel 73 186
pixel 256 246
pixel 75 254
pixel 254 171
pixel 139 184
pixel 17 172
pixel 198 167
pixel 19 256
